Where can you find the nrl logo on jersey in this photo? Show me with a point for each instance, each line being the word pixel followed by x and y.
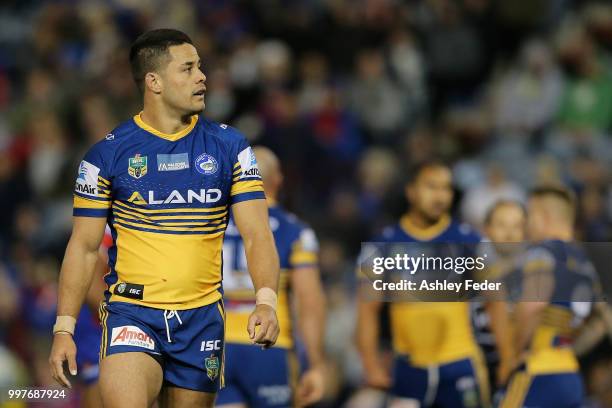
pixel 212 366
pixel 137 166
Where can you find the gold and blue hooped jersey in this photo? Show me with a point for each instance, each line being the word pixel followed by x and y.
pixel 431 332
pixel 297 248
pixel 166 198
pixel 575 285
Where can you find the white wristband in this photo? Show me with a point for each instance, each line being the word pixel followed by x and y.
pixel 266 296
pixel 64 324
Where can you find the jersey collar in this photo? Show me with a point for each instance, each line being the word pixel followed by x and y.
pixel 425 234
pixel 173 137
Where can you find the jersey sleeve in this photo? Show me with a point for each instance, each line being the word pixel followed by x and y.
pixel 92 190
pixel 246 180
pixel 305 250
pixel 538 278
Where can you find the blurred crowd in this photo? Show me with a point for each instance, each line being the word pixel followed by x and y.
pixel 349 94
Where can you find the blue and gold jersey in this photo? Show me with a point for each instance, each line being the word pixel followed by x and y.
pixel 431 332
pixel 297 248
pixel 573 286
pixel 166 198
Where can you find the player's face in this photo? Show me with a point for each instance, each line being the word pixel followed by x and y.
pixel 432 192
pixel 536 219
pixel 184 82
pixel 507 224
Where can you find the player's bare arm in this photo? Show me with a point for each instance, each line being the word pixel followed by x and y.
pixel 367 333
pixel 311 310
pixel 504 338
pixel 75 278
pixel 251 218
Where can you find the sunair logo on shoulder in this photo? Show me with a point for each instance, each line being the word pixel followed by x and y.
pixel 87 180
pixel 248 162
pixel 204 196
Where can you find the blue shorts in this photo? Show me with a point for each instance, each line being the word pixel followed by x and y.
pixel 460 384
pixel 257 378
pixel 189 344
pixel 563 390
pixel 87 335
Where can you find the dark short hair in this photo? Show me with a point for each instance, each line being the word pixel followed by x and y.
pixel 556 191
pixel 499 204
pixel 416 170
pixel 147 52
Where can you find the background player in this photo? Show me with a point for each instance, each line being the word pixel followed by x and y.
pixel 247 384
pixel 437 360
pixel 165 181
pixel 504 226
pixel 559 285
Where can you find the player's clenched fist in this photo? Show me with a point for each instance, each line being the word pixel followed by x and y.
pixel 263 326
pixel 63 349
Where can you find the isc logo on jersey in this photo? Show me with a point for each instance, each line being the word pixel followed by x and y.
pixel 87 181
pixel 131 336
pixel 204 196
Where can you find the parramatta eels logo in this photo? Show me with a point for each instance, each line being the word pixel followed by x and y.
pixel 137 166
pixel 206 164
pixel 212 366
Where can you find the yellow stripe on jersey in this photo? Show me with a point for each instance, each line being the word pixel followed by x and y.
pixel 104 182
pixel 300 256
pixel 80 202
pixel 103 317
pixel 247 186
pixel 178 271
pixel 222 313
pixel 169 210
pixel 169 227
pixel 169 221
pixel 135 213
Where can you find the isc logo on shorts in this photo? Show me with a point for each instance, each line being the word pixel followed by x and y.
pixel 131 336
pixel 210 345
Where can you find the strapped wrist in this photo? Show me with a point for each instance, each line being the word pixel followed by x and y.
pixel 266 296
pixel 64 324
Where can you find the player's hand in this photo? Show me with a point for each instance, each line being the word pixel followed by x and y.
pixel 377 377
pixel 263 326
pixel 63 349
pixel 312 386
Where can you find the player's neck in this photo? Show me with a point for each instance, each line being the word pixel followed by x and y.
pixel 164 120
pixel 560 234
pixel 420 221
